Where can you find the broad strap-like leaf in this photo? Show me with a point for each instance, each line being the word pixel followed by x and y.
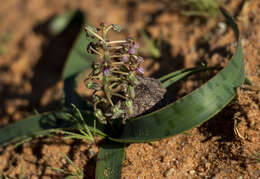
pixel 61 22
pixel 193 109
pixel 77 62
pixel 109 161
pixel 43 124
pixel 173 77
pixel 34 126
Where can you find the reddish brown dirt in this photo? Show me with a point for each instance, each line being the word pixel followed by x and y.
pixel 30 78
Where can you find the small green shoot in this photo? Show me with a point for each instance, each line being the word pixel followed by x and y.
pixel 206 8
pixel 87 135
pixel 61 22
pixel 4 39
pixel 78 172
pixel 21 172
pixel 150 47
pixel 256 157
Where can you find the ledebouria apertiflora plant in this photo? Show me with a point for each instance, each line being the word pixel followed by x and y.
pixel 115 78
pixel 113 74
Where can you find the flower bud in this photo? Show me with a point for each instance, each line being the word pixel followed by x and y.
pixel 131 91
pixel 129 106
pixel 90 30
pixel 124 58
pixel 99 115
pixel 116 27
pixel 140 70
pixel 95 66
pixel 131 51
pixel 106 71
pixel 93 85
pixel 124 87
pixel 140 59
pixel 116 112
pixel 96 69
pixel 95 98
pixel 133 79
pixel 135 45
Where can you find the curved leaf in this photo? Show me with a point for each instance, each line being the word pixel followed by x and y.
pixel 34 126
pixel 173 77
pixel 77 62
pixel 43 124
pixel 193 109
pixel 62 21
pixel 109 161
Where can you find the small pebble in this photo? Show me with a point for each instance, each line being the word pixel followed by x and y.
pixel 63 161
pixel 207 165
pixel 92 152
pixel 221 28
pixel 169 172
pixel 192 172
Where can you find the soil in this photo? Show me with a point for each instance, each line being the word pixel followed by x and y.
pixel 31 61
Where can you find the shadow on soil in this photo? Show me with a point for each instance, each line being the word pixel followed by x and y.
pixel 48 70
pixel 221 126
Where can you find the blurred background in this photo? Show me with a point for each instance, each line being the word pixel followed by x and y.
pixel 36 36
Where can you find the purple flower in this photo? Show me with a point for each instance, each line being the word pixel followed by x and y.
pixel 140 59
pixel 124 58
pixel 131 51
pixel 106 71
pixel 140 70
pixel 135 45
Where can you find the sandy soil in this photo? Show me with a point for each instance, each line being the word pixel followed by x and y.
pixel 31 64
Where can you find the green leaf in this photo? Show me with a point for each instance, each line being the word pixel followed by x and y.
pixel 150 46
pixel 109 161
pixel 173 77
pixel 193 109
pixel 61 22
pixel 44 124
pixel 78 61
pixel 37 125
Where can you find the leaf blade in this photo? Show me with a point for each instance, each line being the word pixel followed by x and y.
pixel 110 159
pixel 43 124
pixel 77 62
pixel 193 109
pixel 173 77
pixel 28 127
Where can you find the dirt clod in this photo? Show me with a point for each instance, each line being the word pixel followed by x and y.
pixel 148 92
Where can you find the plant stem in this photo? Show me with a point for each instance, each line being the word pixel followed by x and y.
pixel 97 52
pixel 117 63
pixel 120 72
pixel 95 34
pixel 106 30
pixel 116 47
pixel 118 56
pixel 112 85
pixel 119 95
pixel 116 41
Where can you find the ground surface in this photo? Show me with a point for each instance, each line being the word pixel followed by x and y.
pixel 30 71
